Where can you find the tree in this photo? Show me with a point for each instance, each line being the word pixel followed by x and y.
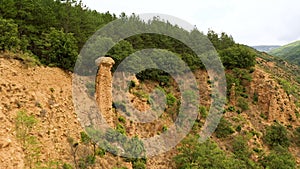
pixel 9 39
pixel 120 51
pixel 237 56
pixel 57 48
pixel 220 42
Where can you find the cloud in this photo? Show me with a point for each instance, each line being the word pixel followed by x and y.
pixel 251 22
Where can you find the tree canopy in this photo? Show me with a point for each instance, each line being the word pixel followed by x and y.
pixel 56 30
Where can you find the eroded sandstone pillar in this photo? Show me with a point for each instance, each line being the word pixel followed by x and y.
pixel 104 84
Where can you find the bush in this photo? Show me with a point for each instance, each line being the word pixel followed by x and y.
pixel 84 138
pixel 255 97
pixel 240 148
pixel 138 165
pixel 171 99
pixel 121 119
pixel 224 129
pixel 262 115
pixel 279 158
pixel 164 128
pixel 296 136
pixel 67 166
pixel 24 125
pixel 203 111
pixel 243 104
pixel 121 129
pixel 86 161
pixel 231 108
pixel 276 135
pixel 30 144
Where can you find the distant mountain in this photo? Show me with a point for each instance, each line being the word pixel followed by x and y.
pixel 265 48
pixel 289 52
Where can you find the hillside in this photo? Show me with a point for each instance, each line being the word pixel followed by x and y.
pixel 289 52
pixel 52 93
pixel 45 93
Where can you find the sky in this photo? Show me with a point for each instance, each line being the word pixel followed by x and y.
pixel 250 22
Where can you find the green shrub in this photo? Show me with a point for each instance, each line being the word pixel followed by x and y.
pixel 224 129
pixel 262 115
pixel 276 135
pixel 255 97
pixel 231 108
pixel 297 114
pixel 240 148
pixel 164 128
pixel 171 99
pixel 244 95
pixel 296 136
pixel 30 144
pixel 238 128
pixel 85 162
pixel 138 165
pixel 24 125
pixel 243 104
pixel 84 138
pixel 67 166
pixel 121 129
pixel 100 152
pixel 121 119
pixel 203 111
pixel 279 158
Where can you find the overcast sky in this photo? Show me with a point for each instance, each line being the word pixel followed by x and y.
pixel 250 22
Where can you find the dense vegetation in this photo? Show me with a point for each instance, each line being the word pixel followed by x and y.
pixel 289 52
pixel 54 31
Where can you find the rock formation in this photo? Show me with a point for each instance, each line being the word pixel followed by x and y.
pixel 104 84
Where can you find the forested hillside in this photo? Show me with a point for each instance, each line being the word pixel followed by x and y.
pixel 41 42
pixel 52 31
pixel 55 31
pixel 289 52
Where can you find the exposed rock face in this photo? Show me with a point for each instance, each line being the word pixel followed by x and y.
pixel 273 101
pixel 104 84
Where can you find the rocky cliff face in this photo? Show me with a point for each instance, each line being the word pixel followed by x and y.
pixel 273 101
pixel 44 93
